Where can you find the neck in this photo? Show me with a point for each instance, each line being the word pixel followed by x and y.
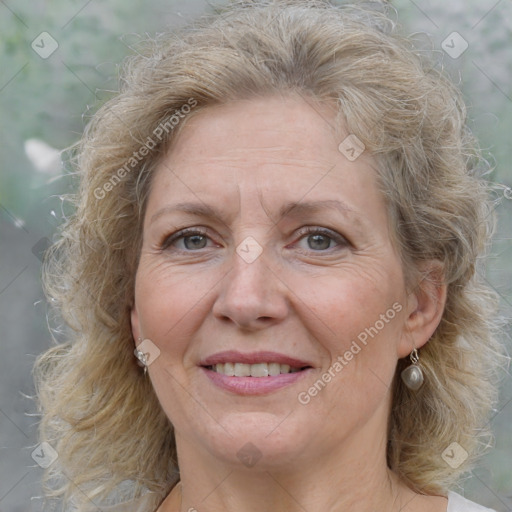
pixel 272 490
pixel 353 477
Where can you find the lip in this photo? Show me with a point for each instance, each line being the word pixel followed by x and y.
pixel 253 385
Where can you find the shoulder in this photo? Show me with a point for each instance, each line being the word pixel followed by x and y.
pixel 457 503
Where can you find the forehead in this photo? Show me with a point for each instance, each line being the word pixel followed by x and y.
pixel 255 132
pixel 277 142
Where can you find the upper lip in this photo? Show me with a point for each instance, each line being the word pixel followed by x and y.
pixel 233 356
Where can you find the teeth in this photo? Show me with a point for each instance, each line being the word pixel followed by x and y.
pixel 259 370
pixel 229 369
pixel 274 369
pixel 253 370
pixel 242 370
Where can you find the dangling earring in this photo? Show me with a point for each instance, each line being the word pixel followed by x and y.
pixel 141 356
pixel 412 376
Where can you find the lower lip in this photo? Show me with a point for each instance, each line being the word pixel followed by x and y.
pixel 254 385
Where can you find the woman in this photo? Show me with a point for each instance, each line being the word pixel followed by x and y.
pixel 279 219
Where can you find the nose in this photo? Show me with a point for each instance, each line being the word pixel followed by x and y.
pixel 252 296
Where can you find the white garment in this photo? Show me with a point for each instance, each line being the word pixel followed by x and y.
pixel 457 503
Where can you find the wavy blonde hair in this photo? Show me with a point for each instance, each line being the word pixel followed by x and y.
pixel 98 411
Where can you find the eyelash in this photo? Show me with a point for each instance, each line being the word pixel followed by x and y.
pixel 307 230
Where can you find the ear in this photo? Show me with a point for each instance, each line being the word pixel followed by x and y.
pixel 425 306
pixel 134 317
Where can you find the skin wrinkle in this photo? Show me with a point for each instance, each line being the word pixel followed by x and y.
pixel 292 210
pixel 227 162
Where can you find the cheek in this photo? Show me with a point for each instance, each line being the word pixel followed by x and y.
pixel 358 325
pixel 172 302
pixel 343 308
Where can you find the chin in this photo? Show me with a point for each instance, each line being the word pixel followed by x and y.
pixel 255 440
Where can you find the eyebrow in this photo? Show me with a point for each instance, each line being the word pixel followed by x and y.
pixel 289 209
pixel 198 209
pixel 301 208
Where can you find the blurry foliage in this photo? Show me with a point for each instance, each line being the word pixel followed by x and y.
pixel 47 98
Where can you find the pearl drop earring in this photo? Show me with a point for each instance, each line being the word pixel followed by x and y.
pixel 412 376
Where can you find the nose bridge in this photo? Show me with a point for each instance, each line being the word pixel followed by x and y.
pixel 250 292
pixel 249 277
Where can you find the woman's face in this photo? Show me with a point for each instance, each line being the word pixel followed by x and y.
pixel 287 261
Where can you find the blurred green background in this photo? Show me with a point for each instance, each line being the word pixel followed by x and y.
pixel 45 103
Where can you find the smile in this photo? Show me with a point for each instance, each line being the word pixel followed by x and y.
pixel 256 373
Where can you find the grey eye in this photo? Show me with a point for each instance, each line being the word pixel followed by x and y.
pixel 195 241
pixel 319 242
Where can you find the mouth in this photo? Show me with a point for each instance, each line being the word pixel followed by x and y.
pixel 255 373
